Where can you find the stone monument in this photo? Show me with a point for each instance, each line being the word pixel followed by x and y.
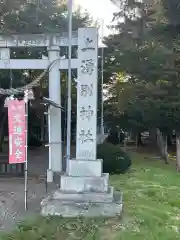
pixel 84 189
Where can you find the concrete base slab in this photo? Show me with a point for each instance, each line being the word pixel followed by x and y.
pixel 86 196
pixel 50 206
pixel 84 184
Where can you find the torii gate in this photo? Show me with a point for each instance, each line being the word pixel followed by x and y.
pixel 53 44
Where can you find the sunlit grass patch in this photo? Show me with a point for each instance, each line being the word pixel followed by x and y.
pixel 151 195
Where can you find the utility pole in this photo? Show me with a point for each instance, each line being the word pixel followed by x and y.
pixel 68 142
pixel 102 79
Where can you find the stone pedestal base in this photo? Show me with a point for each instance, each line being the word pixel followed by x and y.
pixel 84 191
pixel 85 204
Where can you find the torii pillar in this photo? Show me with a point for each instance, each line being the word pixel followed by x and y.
pixel 55 133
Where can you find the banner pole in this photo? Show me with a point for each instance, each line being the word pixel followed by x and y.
pixel 26 159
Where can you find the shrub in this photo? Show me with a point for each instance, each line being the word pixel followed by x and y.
pixel 115 160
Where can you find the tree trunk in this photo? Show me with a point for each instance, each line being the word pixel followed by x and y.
pixel 139 140
pixel 165 149
pixel 42 127
pixel 162 144
pixel 153 136
pixel 136 140
pixel 3 120
pixel 178 152
pixel 125 142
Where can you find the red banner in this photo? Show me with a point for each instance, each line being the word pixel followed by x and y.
pixel 17 135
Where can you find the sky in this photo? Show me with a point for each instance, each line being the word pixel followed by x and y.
pixel 99 9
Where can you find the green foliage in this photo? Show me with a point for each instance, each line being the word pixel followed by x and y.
pixel 38 17
pixel 28 17
pixel 146 49
pixel 114 159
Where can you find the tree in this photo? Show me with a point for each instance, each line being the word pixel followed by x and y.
pixel 131 51
pixel 43 16
pixel 146 49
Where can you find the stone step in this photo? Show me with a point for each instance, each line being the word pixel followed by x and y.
pixel 56 207
pixel 84 168
pixel 84 184
pixel 87 196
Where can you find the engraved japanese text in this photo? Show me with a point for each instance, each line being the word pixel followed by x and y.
pixel 86 112
pixel 86 136
pixel 87 66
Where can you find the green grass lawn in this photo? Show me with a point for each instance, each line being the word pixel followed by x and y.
pixel 151 210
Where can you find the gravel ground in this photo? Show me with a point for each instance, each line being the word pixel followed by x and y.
pixel 12 201
pixel 12 191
